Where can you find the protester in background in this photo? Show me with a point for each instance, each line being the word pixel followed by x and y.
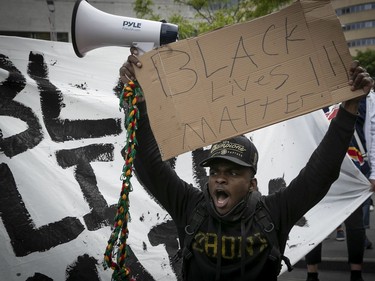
pixel 355 237
pixel 369 128
pixel 228 243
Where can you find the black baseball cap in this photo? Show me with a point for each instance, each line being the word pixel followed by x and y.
pixel 239 150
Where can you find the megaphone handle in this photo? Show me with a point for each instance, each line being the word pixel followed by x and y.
pixel 143 47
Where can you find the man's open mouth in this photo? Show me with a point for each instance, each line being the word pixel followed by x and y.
pixel 221 198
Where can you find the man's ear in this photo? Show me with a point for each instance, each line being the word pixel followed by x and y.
pixel 253 184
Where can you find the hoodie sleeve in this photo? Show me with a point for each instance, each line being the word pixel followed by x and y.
pixel 174 194
pixel 315 179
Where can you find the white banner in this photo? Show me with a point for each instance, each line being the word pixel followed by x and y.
pixel 60 166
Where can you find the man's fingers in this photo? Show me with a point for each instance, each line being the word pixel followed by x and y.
pixel 364 81
pixel 359 78
pixel 353 72
pixel 134 60
pixel 133 50
pixel 127 72
pixel 353 66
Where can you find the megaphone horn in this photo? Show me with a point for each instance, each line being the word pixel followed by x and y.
pixel 92 28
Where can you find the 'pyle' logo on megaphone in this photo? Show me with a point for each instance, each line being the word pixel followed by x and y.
pixel 92 28
pixel 131 24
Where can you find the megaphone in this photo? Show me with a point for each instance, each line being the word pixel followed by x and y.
pixel 92 28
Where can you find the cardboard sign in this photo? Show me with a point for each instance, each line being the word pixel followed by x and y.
pixel 246 76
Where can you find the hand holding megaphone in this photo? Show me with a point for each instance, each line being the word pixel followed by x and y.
pixel 92 28
pixel 127 72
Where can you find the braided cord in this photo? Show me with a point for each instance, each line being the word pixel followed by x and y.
pixel 130 94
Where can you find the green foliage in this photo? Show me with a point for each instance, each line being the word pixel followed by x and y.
pixel 142 8
pixel 367 60
pixel 211 14
pixel 185 28
pixel 266 7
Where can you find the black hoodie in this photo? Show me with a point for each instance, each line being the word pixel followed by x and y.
pixel 233 247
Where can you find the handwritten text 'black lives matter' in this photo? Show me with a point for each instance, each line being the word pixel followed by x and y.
pixel 255 76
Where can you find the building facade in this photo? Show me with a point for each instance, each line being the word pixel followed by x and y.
pixel 358 22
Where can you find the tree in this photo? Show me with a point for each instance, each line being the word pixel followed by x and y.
pixel 211 14
pixel 143 9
